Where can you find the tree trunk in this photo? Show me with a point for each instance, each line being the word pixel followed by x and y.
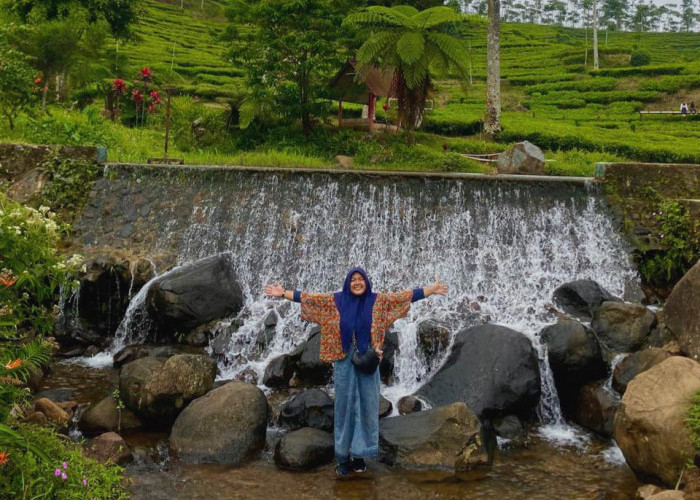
pixel 492 123
pixel 595 34
pixel 44 95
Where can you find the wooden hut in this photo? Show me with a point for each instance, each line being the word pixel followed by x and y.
pixel 345 87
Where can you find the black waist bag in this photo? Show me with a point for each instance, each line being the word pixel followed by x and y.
pixel 367 362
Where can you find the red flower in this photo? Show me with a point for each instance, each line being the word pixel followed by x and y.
pixel 151 108
pixel 146 72
pixel 119 86
pixel 11 365
pixel 7 281
pixel 136 95
pixel 159 100
pixel 385 106
pixel 154 94
pixel 3 457
pixel 37 79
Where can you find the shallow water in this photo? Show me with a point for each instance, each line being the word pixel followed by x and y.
pixel 541 469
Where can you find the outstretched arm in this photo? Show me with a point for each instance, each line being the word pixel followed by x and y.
pixel 278 291
pixel 436 288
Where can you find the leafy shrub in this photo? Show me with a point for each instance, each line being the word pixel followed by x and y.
pixel 69 182
pixel 537 79
pixel 73 129
pixel 672 83
pixel 571 104
pixel 639 71
pixel 639 59
pixel 679 237
pixel 594 84
pixel 211 129
pixel 58 470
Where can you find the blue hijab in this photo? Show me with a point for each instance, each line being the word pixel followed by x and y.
pixel 355 312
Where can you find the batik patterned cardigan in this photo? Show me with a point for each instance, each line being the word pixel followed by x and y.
pixel 320 308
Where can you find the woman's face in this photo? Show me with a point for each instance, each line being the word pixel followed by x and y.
pixel 357 284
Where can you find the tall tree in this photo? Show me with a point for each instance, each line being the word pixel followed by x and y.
pixel 595 35
pixel 689 14
pixel 416 45
pixel 492 122
pixel 289 50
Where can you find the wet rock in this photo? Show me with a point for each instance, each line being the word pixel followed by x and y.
pixel 644 492
pixel 310 370
pixel 386 365
pixel 56 395
pixel 596 407
pixel 270 319
pixel 668 495
pixel 433 339
pixel 134 352
pixel 523 158
pixel 508 427
pixel 385 407
pixel 235 417
pixel 310 408
pixel 36 417
pixel 409 404
pixel 104 416
pixel 69 407
pixel 53 412
pixel 448 436
pixel 194 294
pixel 622 326
pixel 491 368
pixel 108 447
pixel 650 424
pixel 222 341
pixel 248 375
pixel 574 357
pixel 304 449
pixel 682 312
pixel 582 298
pixel 634 364
pixel 158 389
pixel 279 371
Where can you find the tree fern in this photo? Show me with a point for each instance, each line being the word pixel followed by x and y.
pixel 410 47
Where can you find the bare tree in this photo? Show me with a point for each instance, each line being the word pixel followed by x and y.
pixel 492 124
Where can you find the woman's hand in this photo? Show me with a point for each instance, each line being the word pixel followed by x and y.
pixel 436 288
pixel 275 290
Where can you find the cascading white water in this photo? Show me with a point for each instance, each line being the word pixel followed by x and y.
pixel 503 245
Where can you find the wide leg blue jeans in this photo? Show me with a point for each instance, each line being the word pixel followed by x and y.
pixel 356 411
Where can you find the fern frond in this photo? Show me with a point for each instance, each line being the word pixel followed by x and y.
pixel 452 48
pixel 10 381
pixel 406 10
pixel 410 47
pixel 377 46
pixel 378 16
pixel 436 16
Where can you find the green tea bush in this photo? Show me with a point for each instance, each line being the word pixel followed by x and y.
pixel 593 84
pixel 639 59
pixel 571 104
pixel 58 470
pixel 671 84
pixel 520 81
pixel 597 97
pixel 639 71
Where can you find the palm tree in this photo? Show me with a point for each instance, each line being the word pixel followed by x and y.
pixel 415 45
pixel 492 122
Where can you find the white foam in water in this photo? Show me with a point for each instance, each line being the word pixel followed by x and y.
pixel 564 435
pixel 614 455
pixel 501 247
pixel 102 359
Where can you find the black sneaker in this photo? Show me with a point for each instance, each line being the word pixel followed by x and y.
pixel 358 465
pixel 342 470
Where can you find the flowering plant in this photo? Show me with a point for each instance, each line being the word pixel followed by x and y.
pixel 140 98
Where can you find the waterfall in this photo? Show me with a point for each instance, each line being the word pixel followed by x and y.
pixel 504 246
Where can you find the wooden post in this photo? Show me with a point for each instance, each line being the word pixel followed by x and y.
pixel 340 113
pixel 168 90
pixel 370 112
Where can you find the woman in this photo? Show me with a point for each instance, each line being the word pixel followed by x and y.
pixel 354 319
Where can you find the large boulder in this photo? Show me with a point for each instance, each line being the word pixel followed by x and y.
pixel 574 357
pixel 54 413
pixel 279 371
pixel 194 294
pixel 650 424
pixel 157 389
pixel 310 408
pixel 310 370
pixel 596 408
pixel 106 416
pixel 108 448
pixel 581 298
pixel 225 426
pixel 448 436
pixel 304 449
pixel 137 351
pixel 491 368
pixel 622 326
pixel 682 312
pixel 523 158
pixel 634 364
